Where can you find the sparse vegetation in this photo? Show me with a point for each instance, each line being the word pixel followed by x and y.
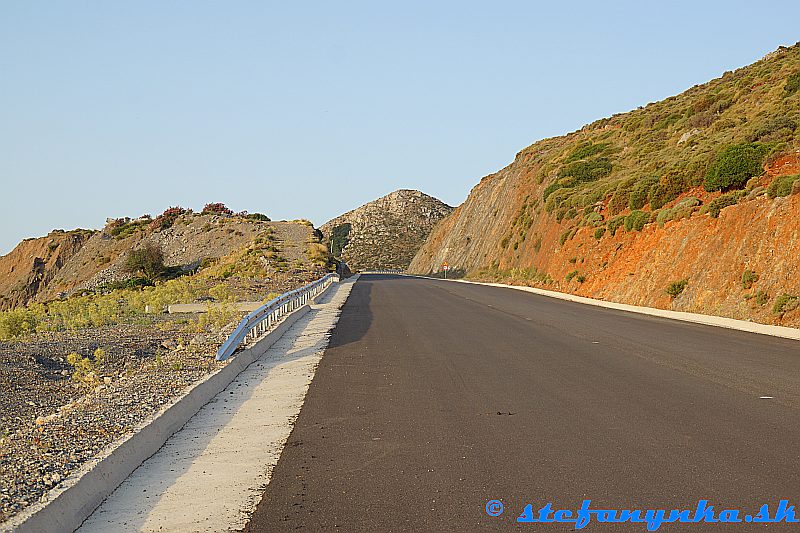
pixel 677 287
pixel 571 275
pixel 748 278
pixel 86 370
pixel 761 298
pixel 785 303
pixel 513 276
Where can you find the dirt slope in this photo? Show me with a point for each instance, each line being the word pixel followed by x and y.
pixel 614 232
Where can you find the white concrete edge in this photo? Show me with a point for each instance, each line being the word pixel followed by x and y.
pixel 66 507
pixel 696 318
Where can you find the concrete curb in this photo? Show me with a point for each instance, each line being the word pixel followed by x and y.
pixel 696 318
pixel 66 507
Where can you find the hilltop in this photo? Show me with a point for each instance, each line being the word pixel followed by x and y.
pixel 385 233
pixel 66 263
pixel 687 203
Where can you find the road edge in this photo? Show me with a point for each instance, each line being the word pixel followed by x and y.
pixel 695 318
pixel 66 507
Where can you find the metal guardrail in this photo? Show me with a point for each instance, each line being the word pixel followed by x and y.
pixel 262 319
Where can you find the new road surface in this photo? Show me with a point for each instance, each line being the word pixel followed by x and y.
pixel 435 397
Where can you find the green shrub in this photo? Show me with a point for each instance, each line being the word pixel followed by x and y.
pixel 580 278
pixel 585 171
pixel 718 204
pixel 785 303
pixel 669 187
pixel 748 278
pixel 641 192
pixel 148 260
pixel 782 186
pixel 567 235
pixel 614 224
pixel 636 220
pixel 761 298
pixel 571 275
pixel 621 197
pixel 550 189
pixel 735 165
pixel 781 125
pixel 599 232
pixel 593 219
pixel 793 83
pixel 257 216
pixel 17 322
pixel 586 150
pixel 677 287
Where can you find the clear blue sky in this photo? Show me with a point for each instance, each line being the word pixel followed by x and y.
pixel 309 109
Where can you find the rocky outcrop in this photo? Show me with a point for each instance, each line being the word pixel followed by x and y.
pixel 385 233
pixel 33 264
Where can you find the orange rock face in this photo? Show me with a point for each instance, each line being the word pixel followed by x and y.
pixel 760 235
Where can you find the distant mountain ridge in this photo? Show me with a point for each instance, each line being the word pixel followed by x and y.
pixel 385 233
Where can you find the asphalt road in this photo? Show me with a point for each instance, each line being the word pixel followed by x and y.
pixel 435 397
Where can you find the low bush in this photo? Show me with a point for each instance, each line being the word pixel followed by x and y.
pixel 167 218
pixel 748 278
pixel 86 370
pixel 586 150
pixel 785 303
pixel 148 261
pixel 782 186
pixel 599 232
pixel 585 171
pixel 614 224
pixel 640 192
pixel 775 128
pixel 17 322
pixel 258 216
pixel 216 208
pixel 636 220
pixel 793 83
pixel 734 165
pixel 718 204
pixel 761 298
pixel 676 287
pixel 682 209
pixel 571 275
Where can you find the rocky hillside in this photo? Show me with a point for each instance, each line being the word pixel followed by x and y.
pixel 385 233
pixel 64 263
pixel 689 203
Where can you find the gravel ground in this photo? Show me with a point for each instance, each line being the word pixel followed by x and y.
pixel 50 424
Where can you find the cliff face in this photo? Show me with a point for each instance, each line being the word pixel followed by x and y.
pixel 387 232
pixel 34 263
pixel 631 206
